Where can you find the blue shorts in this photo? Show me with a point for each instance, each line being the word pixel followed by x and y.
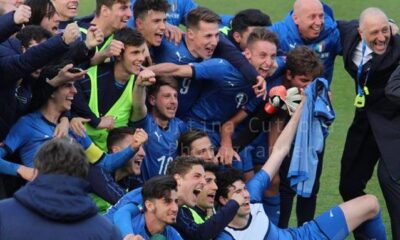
pixel 331 225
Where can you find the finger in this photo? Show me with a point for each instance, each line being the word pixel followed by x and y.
pixel 236 155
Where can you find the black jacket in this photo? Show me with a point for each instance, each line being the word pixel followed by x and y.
pixel 382 114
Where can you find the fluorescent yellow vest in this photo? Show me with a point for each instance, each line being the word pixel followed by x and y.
pixel 121 110
pixel 196 217
pixel 225 30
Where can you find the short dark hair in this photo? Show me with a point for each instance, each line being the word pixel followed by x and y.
pixel 225 179
pixel 162 81
pixel 32 32
pixel 182 165
pixel 198 14
pixel 249 18
pixel 158 187
pixel 129 36
pixel 107 3
pixel 262 34
pixel 40 9
pixel 303 60
pixel 62 156
pixel 186 139
pixel 211 167
pixel 116 135
pixel 141 7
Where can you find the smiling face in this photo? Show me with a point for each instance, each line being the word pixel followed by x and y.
pixel 207 197
pixel 261 54
pixel 203 148
pixel 165 209
pixel 375 31
pixel 203 39
pixel 63 96
pixel 164 102
pixel 152 26
pixel 119 14
pixel 308 15
pixel 67 9
pixel 132 58
pixel 190 185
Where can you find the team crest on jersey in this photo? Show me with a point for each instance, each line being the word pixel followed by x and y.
pixel 320 47
pixel 241 99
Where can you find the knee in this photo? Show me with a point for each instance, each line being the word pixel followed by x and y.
pixel 373 205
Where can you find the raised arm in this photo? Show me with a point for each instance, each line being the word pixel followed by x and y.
pixel 283 144
pixel 139 109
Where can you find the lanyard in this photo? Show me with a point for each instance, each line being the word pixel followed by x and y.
pixel 361 89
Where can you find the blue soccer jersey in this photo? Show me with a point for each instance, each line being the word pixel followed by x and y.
pixel 161 146
pixel 132 197
pixel 28 135
pixel 330 225
pixel 189 90
pixel 225 91
pixel 139 227
pixel 177 11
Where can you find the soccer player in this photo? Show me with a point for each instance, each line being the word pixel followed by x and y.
pixel 302 66
pixel 110 16
pixel 243 24
pixel 44 14
pixel 105 96
pixel 252 222
pixel 160 199
pixel 67 10
pixel 188 172
pixel 159 121
pixel 109 187
pixel 226 90
pixel 201 221
pixel 197 143
pixel 203 41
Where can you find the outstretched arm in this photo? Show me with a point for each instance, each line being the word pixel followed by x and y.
pixel 171 69
pixel 283 144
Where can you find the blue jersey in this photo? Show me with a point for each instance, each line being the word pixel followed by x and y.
pixel 330 225
pixel 327 44
pixel 225 91
pixel 28 135
pixel 177 11
pixel 161 147
pixel 133 197
pixel 139 227
pixel 189 90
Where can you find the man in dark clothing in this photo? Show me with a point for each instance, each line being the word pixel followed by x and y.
pixel 55 204
pixel 370 56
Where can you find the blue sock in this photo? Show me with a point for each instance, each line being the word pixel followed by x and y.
pixel 374 228
pixel 272 206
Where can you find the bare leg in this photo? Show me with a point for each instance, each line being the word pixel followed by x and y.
pixel 359 210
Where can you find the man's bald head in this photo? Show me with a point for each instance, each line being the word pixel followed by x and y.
pixel 308 15
pixel 374 29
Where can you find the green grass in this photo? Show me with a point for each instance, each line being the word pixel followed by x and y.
pixel 342 86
